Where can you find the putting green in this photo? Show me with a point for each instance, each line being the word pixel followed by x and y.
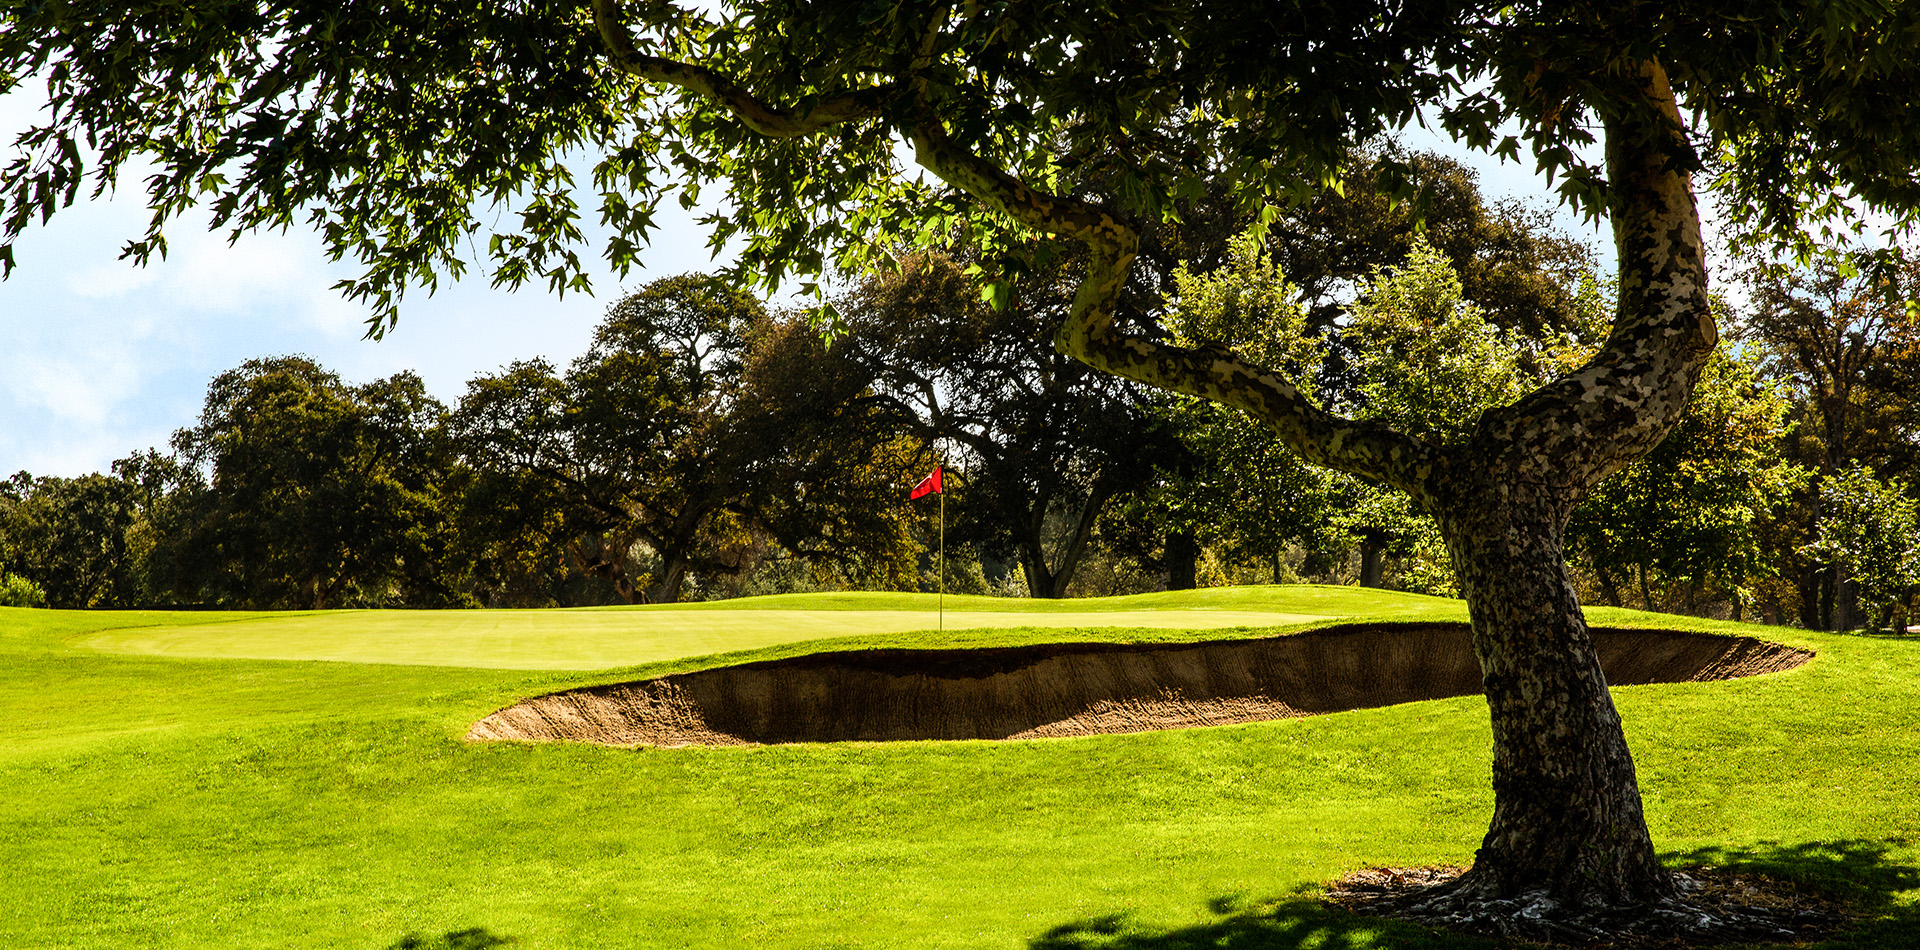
pixel 599 639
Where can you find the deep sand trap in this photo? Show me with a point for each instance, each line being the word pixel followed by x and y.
pixel 1076 689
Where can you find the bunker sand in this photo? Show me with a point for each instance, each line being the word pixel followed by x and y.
pixel 1075 689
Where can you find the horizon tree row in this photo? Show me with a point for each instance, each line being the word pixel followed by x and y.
pixel 702 447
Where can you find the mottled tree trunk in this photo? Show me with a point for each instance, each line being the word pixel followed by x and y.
pixel 1567 822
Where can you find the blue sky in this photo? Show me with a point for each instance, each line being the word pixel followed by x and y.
pixel 99 358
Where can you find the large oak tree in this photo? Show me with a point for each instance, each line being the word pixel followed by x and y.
pixel 391 125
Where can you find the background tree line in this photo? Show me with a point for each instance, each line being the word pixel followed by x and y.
pixel 704 447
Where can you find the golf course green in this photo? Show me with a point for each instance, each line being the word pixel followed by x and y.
pixel 193 779
pixel 625 636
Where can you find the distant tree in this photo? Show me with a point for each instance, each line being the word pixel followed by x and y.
pixel 1691 511
pixel 628 441
pixel 68 536
pixel 1847 350
pixel 826 458
pixel 1873 528
pixel 167 494
pixel 694 425
pixel 511 520
pixel 1217 481
pixel 17 591
pixel 1218 484
pixel 319 494
pixel 1510 261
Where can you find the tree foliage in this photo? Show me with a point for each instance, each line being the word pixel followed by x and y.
pixel 1873 527
pixel 18 591
pixel 317 493
pixel 68 538
pixel 695 428
pixel 1847 350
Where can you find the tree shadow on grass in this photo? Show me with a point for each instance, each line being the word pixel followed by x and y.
pixel 1861 873
pixel 1290 923
pixel 473 938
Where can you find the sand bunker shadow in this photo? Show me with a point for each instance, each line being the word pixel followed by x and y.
pixel 1076 689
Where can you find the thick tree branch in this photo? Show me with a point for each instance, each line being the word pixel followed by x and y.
pixel 1088 334
pixel 759 116
pixel 1593 422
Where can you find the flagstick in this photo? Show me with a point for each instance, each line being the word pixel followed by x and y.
pixel 943 560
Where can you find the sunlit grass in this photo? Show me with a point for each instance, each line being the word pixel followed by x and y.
pixel 601 638
pixel 167 801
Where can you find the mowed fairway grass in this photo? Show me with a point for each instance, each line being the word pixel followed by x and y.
pixel 300 780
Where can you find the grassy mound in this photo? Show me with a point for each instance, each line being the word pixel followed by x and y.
pixel 183 801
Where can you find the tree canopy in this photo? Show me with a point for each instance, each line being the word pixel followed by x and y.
pixel 400 129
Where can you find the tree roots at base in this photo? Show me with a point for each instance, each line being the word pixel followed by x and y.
pixel 1715 907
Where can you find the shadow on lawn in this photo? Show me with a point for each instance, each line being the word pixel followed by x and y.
pixel 1290 923
pixel 1862 873
pixel 473 938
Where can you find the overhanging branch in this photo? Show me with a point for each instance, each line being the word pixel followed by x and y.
pixel 759 116
pixel 1362 448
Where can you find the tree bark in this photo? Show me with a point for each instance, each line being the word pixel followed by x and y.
pixel 1039 580
pixel 1567 822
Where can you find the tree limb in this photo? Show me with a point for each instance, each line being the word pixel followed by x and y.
pixel 1590 423
pixel 759 116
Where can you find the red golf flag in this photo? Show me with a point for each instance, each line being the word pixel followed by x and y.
pixel 930 484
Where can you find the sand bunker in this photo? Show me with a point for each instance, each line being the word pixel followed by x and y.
pixel 1076 689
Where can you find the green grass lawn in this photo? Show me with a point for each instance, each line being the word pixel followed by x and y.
pixel 299 780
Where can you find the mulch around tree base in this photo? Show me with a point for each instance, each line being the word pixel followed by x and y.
pixel 1719 907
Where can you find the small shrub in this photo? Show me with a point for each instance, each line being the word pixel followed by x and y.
pixel 17 591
